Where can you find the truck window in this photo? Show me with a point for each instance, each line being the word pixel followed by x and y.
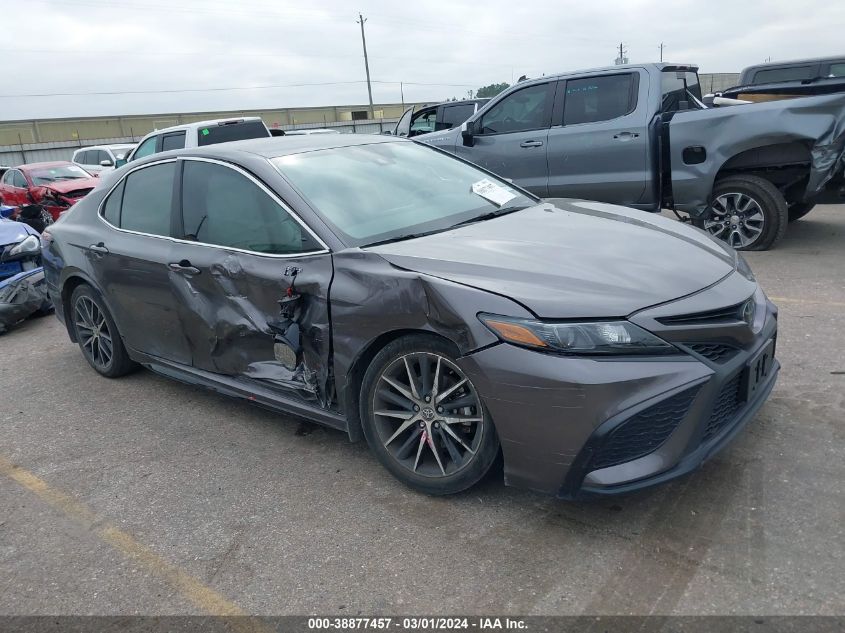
pixel 837 70
pixel 679 87
pixel 775 75
pixel 236 131
pixel 520 111
pixel 595 99
pixel 423 122
pixel 455 115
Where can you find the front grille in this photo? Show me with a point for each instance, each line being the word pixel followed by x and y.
pixel 728 403
pixel 644 432
pixel 715 352
pixel 730 314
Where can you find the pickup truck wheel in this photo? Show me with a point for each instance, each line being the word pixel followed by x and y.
pixel 799 210
pixel 747 212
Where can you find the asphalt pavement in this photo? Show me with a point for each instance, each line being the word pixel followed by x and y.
pixel 145 496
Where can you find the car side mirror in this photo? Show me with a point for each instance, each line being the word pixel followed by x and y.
pixel 106 163
pixel 120 162
pixel 468 131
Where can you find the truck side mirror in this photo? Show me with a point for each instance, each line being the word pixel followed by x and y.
pixel 468 132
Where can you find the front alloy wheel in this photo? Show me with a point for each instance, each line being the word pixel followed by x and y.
pixel 425 420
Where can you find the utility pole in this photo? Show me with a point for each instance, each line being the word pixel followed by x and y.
pixel 621 59
pixel 661 51
pixel 402 94
pixel 361 21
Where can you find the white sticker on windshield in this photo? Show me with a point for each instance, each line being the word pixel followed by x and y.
pixel 489 190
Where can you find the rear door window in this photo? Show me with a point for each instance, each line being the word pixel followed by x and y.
pixel 223 207
pixel 236 131
pixel 454 115
pixel 603 98
pixel 148 198
pixel 793 73
pixel 520 111
pixel 173 141
pixel 111 209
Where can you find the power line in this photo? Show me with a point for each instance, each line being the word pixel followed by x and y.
pixel 230 88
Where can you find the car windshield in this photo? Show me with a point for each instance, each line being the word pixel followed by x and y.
pixel 384 191
pixel 46 175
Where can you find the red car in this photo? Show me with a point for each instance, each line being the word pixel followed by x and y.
pixel 56 186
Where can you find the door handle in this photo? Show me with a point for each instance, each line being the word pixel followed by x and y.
pixel 184 267
pixel 531 144
pixel 100 249
pixel 625 136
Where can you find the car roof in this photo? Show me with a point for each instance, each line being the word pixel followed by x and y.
pixel 53 163
pixel 793 62
pixel 199 124
pixel 105 146
pixel 276 146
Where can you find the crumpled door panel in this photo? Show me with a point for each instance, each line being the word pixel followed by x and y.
pixel 226 311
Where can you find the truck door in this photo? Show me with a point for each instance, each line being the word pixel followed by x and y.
pixel 510 138
pixel 598 142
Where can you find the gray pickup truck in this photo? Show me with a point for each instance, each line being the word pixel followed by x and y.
pixel 639 135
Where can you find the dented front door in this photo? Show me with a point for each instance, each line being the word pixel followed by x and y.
pixel 242 253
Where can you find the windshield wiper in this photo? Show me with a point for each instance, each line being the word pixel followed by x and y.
pixel 402 238
pixel 492 214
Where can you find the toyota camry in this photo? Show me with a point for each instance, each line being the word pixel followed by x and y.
pixel 414 300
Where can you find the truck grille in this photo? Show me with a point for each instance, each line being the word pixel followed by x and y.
pixel 726 407
pixel 644 432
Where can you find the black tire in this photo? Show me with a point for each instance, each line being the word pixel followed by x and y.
pixel 86 301
pixel 799 210
pixel 767 198
pixel 440 466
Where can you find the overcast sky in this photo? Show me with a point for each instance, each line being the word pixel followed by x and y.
pixel 120 46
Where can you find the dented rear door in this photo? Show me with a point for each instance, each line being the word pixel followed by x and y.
pixel 242 252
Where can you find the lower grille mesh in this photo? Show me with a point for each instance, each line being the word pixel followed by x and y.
pixel 644 432
pixel 725 409
pixel 715 352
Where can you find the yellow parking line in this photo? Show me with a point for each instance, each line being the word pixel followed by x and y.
pixel 836 304
pixel 189 587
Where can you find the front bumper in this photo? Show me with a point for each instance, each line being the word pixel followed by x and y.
pixel 21 296
pixel 554 414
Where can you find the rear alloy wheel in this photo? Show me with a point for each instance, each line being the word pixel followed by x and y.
pixel 97 334
pixel 747 212
pixel 423 418
pixel 799 210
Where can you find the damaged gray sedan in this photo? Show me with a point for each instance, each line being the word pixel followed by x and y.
pixel 404 296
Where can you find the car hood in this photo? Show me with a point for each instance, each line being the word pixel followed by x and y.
pixel 66 186
pixel 12 232
pixel 572 259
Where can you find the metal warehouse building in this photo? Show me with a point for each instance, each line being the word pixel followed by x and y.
pixel 55 139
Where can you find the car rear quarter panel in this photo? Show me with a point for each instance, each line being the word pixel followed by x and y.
pixel 818 122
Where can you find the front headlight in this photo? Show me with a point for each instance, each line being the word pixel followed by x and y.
pixel 29 245
pixel 587 338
